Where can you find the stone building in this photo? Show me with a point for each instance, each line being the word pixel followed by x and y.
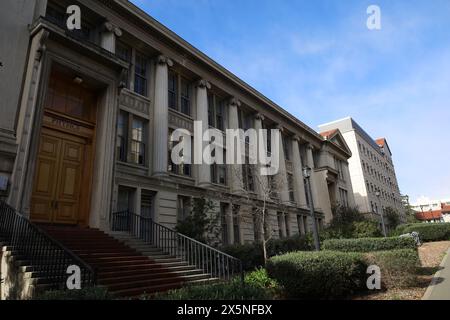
pixel 86 117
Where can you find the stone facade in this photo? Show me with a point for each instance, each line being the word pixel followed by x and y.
pixel 148 82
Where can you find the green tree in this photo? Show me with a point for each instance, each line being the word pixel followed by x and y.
pixel 392 217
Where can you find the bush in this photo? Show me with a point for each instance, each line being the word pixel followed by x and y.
pixel 318 275
pixel 369 244
pixel 233 290
pixel 366 229
pixel 398 267
pixel 260 279
pixel 89 293
pixel 427 231
pixel 252 254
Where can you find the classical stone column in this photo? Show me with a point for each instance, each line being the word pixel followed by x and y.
pixel 261 182
pixel 310 162
pixel 299 183
pixel 108 36
pixel 161 117
pixel 282 182
pixel 237 182
pixel 204 170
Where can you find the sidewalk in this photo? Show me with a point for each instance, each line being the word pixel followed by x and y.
pixel 439 288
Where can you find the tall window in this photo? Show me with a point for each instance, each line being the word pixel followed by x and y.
pixel 122 140
pixel 179 93
pixel 306 193
pixel 140 75
pixel 184 207
pixel 287 224
pixel 236 224
pixel 137 142
pixel 147 203
pixel 290 179
pixel 223 217
pixel 216 112
pixel 343 194
pixel 219 171
pixel 247 175
pixel 280 224
pixel 257 227
pixel 183 169
pixel 131 134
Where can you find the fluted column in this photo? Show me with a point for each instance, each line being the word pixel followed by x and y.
pixel 261 185
pixel 237 181
pixel 108 36
pixel 204 170
pixel 299 183
pixel 282 182
pixel 310 161
pixel 161 117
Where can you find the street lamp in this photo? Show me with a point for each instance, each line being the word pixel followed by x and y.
pixel 381 214
pixel 307 176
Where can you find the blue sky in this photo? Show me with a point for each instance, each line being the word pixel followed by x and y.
pixel 318 60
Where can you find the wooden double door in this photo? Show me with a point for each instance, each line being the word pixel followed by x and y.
pixel 60 178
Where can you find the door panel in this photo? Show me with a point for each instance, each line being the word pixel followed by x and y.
pixel 45 179
pixel 70 173
pixel 57 185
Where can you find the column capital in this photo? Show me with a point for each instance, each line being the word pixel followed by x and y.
pixel 109 27
pixel 280 127
pixel 309 146
pixel 259 116
pixel 296 138
pixel 234 102
pixel 163 60
pixel 204 84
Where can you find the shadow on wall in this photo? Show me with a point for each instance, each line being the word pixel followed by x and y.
pixel 16 284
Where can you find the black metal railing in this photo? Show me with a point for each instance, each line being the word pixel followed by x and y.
pixel 212 261
pixel 48 258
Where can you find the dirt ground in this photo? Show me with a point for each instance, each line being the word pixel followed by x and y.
pixel 431 255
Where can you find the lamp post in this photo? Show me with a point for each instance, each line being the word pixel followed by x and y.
pixel 382 213
pixel 307 176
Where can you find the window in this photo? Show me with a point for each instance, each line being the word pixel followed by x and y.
pixel 339 167
pixel 140 75
pixel 125 199
pixel 306 193
pixel 184 169
pixel 223 217
pixel 137 142
pixel 343 194
pixel 124 52
pixel 280 224
pixel 305 224
pixel 219 171
pixel 147 200
pixel 247 175
pixel 287 224
pixel 122 140
pixel 290 179
pixel 184 207
pixel 257 228
pixel 130 132
pixel 179 93
pixel 236 224
pixel 301 230
pixel 216 112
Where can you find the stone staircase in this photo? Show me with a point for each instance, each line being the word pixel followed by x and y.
pixel 128 267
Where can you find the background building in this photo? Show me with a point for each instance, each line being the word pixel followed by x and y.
pixel 432 210
pixel 371 168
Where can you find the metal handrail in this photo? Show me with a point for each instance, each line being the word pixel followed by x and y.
pixel 48 257
pixel 212 261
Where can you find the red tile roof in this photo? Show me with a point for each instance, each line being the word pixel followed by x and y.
pixel 381 142
pixel 329 133
pixel 429 215
pixel 445 208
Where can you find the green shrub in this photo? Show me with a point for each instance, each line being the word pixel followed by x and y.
pixel 233 290
pixel 366 229
pixel 89 293
pixel 369 244
pixel 260 279
pixel 398 267
pixel 252 254
pixel 427 231
pixel 318 275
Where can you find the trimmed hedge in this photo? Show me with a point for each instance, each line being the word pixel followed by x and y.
pixel 427 231
pixel 233 290
pixel 369 244
pixel 252 254
pixel 319 275
pixel 398 267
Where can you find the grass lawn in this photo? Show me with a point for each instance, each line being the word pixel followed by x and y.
pixel 431 255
